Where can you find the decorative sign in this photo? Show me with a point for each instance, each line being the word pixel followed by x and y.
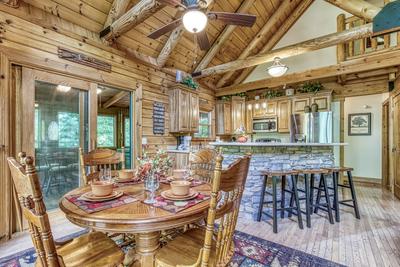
pixel 158 118
pixel 83 59
pixel 360 124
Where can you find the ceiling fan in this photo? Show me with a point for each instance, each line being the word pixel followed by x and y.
pixel 195 20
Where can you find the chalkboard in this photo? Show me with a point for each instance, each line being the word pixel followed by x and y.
pixel 158 118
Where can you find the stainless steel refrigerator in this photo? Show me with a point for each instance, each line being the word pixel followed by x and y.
pixel 314 127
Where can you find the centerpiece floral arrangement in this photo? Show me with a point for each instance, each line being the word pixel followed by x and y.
pixel 156 166
pixel 241 134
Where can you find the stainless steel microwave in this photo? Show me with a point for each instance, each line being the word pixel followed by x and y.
pixel 267 125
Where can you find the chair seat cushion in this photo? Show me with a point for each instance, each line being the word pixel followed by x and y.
pixel 184 249
pixel 90 250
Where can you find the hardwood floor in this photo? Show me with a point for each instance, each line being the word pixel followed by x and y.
pixel 372 241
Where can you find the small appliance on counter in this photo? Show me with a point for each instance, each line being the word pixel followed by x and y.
pixel 314 127
pixel 183 142
pixel 266 125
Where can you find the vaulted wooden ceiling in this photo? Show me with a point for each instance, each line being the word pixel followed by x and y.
pixel 186 56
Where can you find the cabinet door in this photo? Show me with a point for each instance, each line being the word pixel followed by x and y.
pixel 238 113
pixel 258 110
pixel 194 113
pixel 323 102
pixel 284 114
pixel 227 118
pixel 271 109
pixel 299 104
pixel 249 121
pixel 183 115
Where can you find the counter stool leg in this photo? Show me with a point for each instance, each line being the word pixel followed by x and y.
pixel 291 201
pixel 296 197
pixel 328 201
pixel 261 203
pixel 335 176
pixel 317 201
pixel 274 205
pixel 353 194
pixel 307 191
pixel 312 182
pixel 283 187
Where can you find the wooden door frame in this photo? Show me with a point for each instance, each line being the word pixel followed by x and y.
pixel 395 169
pixel 386 166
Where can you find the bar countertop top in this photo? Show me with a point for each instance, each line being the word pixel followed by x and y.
pixel 276 144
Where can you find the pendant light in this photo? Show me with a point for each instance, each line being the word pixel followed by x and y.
pixel 194 21
pixel 277 69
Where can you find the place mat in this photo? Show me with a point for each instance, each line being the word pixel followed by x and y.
pixel 193 183
pixel 177 206
pixel 91 207
pixel 116 184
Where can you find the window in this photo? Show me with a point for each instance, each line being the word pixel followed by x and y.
pixel 106 131
pixel 127 134
pixel 68 129
pixel 204 125
pixel 37 128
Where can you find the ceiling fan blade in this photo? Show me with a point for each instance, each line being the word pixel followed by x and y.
pixel 202 40
pixel 174 3
pixel 233 18
pixel 163 30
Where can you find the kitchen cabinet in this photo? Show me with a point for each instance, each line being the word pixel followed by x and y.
pixel 271 110
pixel 263 109
pixel 249 121
pixel 299 103
pixel 323 102
pixel 223 118
pixel 184 110
pixel 238 105
pixel 284 110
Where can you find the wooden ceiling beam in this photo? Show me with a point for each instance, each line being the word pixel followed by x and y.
pixel 359 8
pixel 369 63
pixel 11 3
pixel 115 99
pixel 223 37
pixel 278 35
pixel 118 8
pixel 261 35
pixel 134 16
pixel 325 41
pixel 170 45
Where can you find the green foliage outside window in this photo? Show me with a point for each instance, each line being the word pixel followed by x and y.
pixel 127 129
pixel 204 126
pixel 68 129
pixel 106 131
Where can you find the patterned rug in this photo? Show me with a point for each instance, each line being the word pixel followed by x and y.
pixel 249 251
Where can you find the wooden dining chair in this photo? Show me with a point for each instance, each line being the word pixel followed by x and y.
pixel 98 159
pixel 211 245
pixel 202 164
pixel 92 249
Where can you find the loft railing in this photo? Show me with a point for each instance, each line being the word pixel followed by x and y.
pixel 362 47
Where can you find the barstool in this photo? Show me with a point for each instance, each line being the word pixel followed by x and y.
pixel 309 181
pixel 335 175
pixel 294 194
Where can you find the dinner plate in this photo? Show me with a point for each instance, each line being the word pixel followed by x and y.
pixel 89 196
pixel 167 194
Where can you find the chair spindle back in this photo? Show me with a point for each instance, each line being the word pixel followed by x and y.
pixel 229 184
pixel 27 185
pixel 202 164
pixel 100 159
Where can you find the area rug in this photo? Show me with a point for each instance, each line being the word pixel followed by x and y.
pixel 249 251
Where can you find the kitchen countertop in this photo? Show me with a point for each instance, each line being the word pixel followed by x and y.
pixel 177 151
pixel 255 144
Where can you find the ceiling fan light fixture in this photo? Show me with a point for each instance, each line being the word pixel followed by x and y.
pixel 277 69
pixel 194 21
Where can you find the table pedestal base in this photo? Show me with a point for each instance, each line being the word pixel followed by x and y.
pixel 147 245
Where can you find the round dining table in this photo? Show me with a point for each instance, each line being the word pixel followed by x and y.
pixel 143 220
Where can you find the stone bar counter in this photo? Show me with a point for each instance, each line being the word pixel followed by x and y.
pixel 274 156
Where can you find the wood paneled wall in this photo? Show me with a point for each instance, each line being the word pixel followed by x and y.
pixel 35 45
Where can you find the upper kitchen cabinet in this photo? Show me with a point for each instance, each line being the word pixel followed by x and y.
pixel 264 109
pixel 284 113
pixel 322 99
pixel 184 109
pixel 238 112
pixel 223 118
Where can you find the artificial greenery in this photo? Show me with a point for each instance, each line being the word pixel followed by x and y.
pixel 188 81
pixel 273 93
pixel 311 87
pixel 229 97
